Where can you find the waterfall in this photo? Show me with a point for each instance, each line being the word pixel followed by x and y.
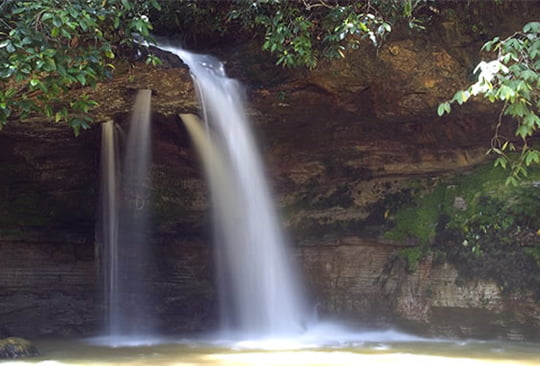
pixel 259 289
pixel 125 199
pixel 109 215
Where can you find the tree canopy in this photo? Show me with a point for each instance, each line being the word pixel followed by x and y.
pixel 49 47
pixel 296 32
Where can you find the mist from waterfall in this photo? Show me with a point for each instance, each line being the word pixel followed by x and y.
pixel 125 202
pixel 259 290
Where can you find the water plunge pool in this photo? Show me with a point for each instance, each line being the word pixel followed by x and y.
pixel 368 349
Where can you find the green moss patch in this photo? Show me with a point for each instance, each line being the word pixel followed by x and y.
pixel 419 220
pixel 486 228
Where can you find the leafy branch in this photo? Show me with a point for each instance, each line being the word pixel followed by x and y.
pixel 49 48
pixel 512 78
pixel 300 33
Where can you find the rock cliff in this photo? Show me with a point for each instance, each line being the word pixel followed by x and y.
pixel 342 143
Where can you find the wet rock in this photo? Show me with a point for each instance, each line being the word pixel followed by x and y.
pixel 14 347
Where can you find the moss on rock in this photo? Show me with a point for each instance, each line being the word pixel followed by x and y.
pixel 419 221
pixel 486 228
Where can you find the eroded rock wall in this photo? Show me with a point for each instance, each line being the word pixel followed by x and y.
pixel 364 282
pixel 342 143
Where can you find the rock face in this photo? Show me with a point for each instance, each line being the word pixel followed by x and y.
pixel 361 280
pixel 342 144
pixel 47 276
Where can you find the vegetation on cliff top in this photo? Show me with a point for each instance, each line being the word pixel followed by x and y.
pixel 295 32
pixel 51 47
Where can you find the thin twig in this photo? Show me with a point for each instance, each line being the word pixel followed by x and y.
pixel 321 3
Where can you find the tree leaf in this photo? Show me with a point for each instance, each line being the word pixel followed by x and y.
pixel 532 27
pixel 443 108
pixel 461 96
pixel 517 109
pixel 531 120
pixel 48 110
pixel 532 156
pixel 523 131
pixel 9 47
pixel 512 181
pixel 505 93
pixel 81 78
pixel 500 161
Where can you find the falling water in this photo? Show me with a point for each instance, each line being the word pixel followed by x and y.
pixel 259 290
pixel 109 213
pixel 125 202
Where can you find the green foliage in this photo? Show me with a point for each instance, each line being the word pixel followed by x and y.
pixel 298 33
pixel 52 50
pixel 412 256
pixel 513 78
pixel 498 238
pixel 418 221
pixel 487 228
pixel 51 47
pixel 194 20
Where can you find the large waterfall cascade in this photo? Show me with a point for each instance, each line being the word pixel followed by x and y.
pixel 259 289
pixel 260 293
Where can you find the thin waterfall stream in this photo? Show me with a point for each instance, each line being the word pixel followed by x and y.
pixel 125 202
pixel 259 289
pixel 109 216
